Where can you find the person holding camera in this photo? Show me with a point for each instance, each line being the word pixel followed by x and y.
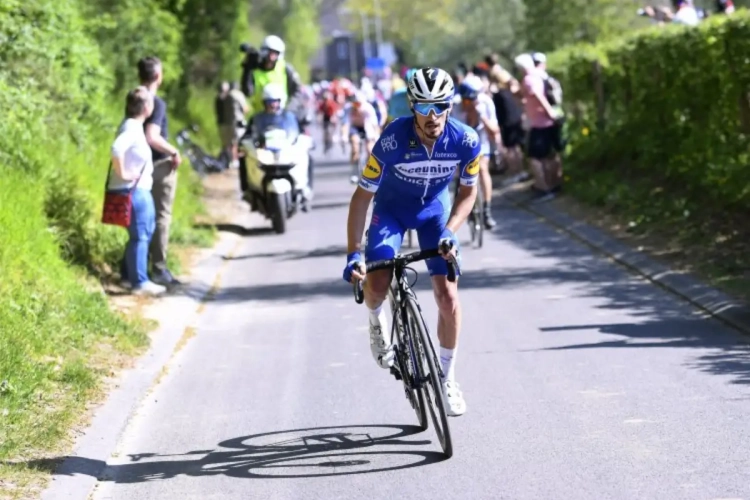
pixel 264 67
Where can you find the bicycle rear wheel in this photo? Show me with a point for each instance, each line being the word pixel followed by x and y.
pixel 429 372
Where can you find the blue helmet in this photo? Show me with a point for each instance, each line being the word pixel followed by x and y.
pixel 470 88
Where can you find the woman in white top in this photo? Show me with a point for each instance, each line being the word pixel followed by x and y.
pixel 132 168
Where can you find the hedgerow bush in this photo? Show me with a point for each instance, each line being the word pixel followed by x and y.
pixel 664 113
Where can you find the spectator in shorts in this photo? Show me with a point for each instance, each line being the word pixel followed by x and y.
pixel 510 118
pixel 544 141
pixel 166 159
pixel 233 116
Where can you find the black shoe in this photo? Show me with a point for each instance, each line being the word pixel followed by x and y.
pixel 165 278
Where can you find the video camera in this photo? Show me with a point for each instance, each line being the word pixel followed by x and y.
pixel 252 56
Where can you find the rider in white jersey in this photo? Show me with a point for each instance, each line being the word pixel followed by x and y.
pixel 361 121
pixel 476 109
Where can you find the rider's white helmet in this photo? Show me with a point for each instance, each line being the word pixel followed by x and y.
pixel 430 85
pixel 273 92
pixel 274 43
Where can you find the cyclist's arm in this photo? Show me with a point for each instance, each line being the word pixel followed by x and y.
pixel 355 226
pixel 467 189
pixel 369 182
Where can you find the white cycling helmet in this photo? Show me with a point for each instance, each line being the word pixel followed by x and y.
pixel 430 85
pixel 273 43
pixel 273 92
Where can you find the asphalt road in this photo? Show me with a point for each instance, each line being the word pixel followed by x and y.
pixel 582 382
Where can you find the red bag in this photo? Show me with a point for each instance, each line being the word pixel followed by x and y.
pixel 118 207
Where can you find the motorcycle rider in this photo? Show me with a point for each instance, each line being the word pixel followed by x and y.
pixel 275 116
pixel 270 67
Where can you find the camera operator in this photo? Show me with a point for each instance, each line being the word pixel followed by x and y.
pixel 261 68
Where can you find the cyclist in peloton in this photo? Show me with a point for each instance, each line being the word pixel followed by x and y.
pixel 476 109
pixel 361 122
pixel 408 174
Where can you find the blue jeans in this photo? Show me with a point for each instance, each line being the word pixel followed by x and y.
pixel 142 225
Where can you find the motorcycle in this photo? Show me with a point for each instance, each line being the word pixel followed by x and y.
pixel 201 161
pixel 277 174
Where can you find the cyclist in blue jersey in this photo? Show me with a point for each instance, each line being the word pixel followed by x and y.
pixel 408 174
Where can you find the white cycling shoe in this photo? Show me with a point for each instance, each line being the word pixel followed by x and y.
pixel 380 344
pixel 455 406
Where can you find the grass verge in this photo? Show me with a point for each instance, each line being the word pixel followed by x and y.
pixel 714 245
pixel 61 338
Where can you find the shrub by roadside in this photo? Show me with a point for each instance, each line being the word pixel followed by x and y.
pixel 659 127
pixel 59 336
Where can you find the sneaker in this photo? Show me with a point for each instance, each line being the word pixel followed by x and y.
pixel 542 197
pixel 382 349
pixel 489 221
pixel 164 278
pixel 149 288
pixel 455 406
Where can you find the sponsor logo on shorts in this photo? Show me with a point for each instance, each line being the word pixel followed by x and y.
pixel 372 169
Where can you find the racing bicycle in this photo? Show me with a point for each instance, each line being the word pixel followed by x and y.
pixel 416 364
pixel 475 221
pixel 201 161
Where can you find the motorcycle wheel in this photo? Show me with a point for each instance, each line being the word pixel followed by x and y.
pixel 278 209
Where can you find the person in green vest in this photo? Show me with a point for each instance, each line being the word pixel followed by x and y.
pixel 273 68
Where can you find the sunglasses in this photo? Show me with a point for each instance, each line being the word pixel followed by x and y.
pixel 424 108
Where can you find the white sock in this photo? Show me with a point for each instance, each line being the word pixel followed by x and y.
pixel 447 357
pixel 375 315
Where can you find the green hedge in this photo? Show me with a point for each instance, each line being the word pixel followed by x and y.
pixel 664 110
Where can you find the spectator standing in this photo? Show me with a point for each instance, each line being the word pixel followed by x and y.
pixel 233 115
pixel 221 95
pixel 544 145
pixel 164 189
pixel 132 170
pixel 505 90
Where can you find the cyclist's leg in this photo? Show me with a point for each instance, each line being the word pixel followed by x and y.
pixel 485 184
pixel 435 217
pixel 354 142
pixel 384 237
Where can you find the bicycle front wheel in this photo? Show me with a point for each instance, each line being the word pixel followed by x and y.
pixel 429 374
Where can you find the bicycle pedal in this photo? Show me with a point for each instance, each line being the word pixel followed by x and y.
pixel 395 373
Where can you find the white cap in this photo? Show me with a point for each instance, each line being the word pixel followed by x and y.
pixel 524 61
pixel 539 58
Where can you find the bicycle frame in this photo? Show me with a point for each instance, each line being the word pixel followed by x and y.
pixel 398 294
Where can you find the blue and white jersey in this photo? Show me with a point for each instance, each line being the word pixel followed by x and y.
pixel 401 170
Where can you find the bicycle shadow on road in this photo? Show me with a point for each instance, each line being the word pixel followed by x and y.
pixel 297 453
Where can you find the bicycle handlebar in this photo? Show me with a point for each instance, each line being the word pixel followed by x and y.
pixel 453 270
